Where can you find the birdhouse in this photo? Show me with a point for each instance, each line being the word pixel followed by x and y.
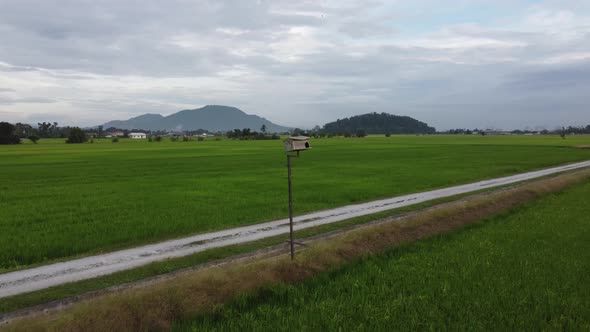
pixel 297 143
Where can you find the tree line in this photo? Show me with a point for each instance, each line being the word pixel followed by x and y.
pixel 14 133
pixel 356 126
pixel 570 130
pixel 249 134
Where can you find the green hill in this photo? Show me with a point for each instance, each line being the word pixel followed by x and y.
pixel 378 123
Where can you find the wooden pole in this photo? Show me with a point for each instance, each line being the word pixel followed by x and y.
pixel 292 241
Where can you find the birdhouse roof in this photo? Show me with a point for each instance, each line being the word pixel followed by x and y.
pixel 299 138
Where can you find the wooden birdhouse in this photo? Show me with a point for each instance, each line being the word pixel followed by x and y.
pixel 297 143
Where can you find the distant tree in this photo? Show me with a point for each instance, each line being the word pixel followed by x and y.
pixel 43 128
pixel 7 134
pixel 34 138
pixel 100 132
pixel 49 130
pixel 263 129
pixel 297 132
pixel 361 133
pixel 24 130
pixel 6 129
pixel 387 135
pixel 185 138
pixel 54 129
pixel 150 139
pixel 247 134
pixel 76 136
pixel 158 138
pixel 200 138
pixel 562 133
pixel 347 134
pixel 115 140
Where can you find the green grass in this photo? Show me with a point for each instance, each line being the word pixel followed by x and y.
pixel 69 290
pixel 528 269
pixel 59 200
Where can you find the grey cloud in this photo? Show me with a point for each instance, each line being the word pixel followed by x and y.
pixel 131 38
pixel 542 80
pixel 348 61
pixel 13 68
pixel 25 100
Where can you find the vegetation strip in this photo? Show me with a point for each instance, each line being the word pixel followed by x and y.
pixel 200 292
pixel 526 269
pixel 14 283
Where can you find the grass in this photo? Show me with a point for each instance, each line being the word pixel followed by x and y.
pixel 200 293
pixel 61 201
pixel 524 270
pixel 71 290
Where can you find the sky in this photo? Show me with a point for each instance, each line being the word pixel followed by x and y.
pixel 453 64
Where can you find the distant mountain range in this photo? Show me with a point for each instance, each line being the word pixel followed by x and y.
pixel 210 117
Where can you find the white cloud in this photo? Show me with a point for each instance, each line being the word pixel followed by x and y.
pixel 565 58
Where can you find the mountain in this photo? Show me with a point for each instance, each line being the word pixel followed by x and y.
pixel 375 123
pixel 139 122
pixel 210 117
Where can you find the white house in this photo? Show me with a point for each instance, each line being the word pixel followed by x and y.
pixel 116 134
pixel 137 135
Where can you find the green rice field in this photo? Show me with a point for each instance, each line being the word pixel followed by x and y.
pixel 525 270
pixel 65 200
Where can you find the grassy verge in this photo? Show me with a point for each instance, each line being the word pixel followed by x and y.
pixel 203 291
pixel 524 270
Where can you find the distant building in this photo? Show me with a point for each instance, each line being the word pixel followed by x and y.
pixel 137 135
pixel 116 134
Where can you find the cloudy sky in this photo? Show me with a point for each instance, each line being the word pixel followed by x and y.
pixel 457 63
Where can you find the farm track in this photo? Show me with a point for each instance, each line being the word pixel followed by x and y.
pixel 23 281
